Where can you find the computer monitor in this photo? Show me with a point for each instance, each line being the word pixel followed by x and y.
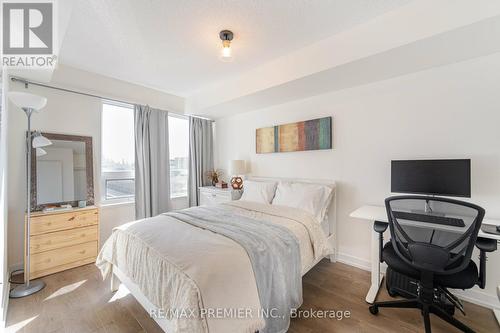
pixel 447 177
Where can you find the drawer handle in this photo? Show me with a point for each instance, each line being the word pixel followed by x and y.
pixel 214 195
pixel 71 218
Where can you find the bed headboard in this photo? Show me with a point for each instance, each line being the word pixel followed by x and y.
pixel 332 208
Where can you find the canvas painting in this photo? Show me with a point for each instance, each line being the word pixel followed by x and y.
pixel 312 134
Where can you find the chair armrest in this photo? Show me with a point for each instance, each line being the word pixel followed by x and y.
pixel 484 245
pixel 380 227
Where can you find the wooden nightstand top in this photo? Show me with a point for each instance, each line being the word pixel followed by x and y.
pixel 217 189
pixel 62 211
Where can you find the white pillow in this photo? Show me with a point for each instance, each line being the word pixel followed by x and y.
pixel 262 192
pixel 313 198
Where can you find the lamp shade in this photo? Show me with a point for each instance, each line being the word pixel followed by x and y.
pixel 40 152
pixel 40 141
pixel 237 167
pixel 27 101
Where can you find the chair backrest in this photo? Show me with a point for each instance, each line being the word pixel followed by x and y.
pixel 433 234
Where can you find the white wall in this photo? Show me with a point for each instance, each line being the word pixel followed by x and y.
pixel 445 112
pixel 70 114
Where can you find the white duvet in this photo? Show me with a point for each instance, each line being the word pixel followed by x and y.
pixel 178 266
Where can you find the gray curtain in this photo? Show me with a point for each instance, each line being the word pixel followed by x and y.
pixel 152 162
pixel 201 156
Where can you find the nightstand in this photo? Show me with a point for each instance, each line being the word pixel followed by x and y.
pixel 211 195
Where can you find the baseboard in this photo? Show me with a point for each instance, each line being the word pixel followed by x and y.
pixel 6 290
pixel 478 297
pixel 354 261
pixel 472 295
pixel 5 301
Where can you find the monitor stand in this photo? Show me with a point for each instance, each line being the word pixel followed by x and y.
pixel 427 210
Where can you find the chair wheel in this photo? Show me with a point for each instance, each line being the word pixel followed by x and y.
pixel 373 309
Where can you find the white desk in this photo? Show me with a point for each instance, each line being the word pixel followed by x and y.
pixel 379 213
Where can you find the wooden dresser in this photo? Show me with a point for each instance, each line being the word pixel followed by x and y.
pixel 63 240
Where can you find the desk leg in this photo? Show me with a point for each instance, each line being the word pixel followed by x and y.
pixel 376 276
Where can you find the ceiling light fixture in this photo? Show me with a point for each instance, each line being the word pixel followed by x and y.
pixel 226 36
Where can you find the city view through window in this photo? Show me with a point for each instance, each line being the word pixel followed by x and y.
pixel 118 155
pixel 178 132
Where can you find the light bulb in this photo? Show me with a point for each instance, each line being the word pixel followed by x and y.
pixel 226 52
pixel 226 49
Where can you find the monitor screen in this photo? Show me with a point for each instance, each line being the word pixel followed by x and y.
pixel 434 177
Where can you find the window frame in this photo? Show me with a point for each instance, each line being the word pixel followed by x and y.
pixel 125 175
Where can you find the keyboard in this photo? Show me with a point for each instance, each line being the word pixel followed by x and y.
pixel 451 221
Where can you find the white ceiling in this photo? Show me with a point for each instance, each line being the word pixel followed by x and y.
pixel 393 44
pixel 173 45
pixel 462 44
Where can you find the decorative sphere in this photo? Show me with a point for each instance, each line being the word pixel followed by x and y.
pixel 237 183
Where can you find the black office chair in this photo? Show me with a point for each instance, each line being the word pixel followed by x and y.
pixel 435 250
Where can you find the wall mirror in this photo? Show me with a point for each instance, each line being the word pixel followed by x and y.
pixel 62 173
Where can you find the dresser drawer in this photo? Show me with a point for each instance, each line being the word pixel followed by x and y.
pixel 54 222
pixel 213 198
pixel 58 239
pixel 48 262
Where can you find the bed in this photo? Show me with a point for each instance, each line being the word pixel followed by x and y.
pixel 206 269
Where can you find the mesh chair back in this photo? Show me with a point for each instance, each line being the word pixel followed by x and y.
pixel 433 234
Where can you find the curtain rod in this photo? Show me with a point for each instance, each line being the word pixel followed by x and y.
pixel 27 82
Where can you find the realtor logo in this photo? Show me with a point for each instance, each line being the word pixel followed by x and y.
pixel 28 34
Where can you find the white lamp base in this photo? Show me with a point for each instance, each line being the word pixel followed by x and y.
pixel 24 290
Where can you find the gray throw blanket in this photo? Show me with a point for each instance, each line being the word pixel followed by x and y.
pixel 273 251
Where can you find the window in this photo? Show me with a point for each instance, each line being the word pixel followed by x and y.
pixel 178 136
pixel 117 157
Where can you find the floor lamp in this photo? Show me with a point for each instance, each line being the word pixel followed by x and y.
pixel 29 103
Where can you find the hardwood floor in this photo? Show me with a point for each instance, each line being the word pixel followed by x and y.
pixel 79 301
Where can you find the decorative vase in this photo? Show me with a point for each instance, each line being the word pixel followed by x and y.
pixel 237 183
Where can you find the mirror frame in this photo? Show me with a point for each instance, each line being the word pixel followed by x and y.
pixel 89 165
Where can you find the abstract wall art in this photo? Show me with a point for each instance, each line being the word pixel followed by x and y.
pixel 315 134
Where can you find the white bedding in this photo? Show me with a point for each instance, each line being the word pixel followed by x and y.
pixel 179 266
